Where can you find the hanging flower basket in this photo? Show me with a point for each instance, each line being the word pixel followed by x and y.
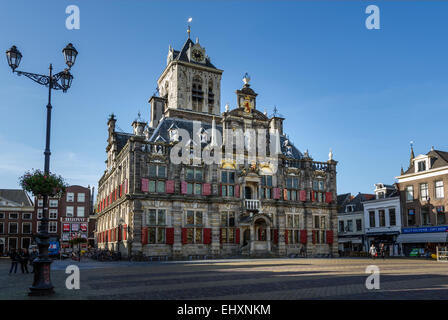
pixel 41 184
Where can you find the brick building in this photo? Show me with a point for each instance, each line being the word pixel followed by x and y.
pixel 147 202
pixel 69 215
pixel 17 220
pixel 424 201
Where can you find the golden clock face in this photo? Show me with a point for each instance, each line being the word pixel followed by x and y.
pixel 197 55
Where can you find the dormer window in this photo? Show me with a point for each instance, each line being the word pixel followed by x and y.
pixel 350 208
pixel 421 166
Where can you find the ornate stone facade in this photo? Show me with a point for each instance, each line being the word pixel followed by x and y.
pixel 148 203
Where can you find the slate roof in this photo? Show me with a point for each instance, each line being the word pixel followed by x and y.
pixel 440 160
pixel 182 55
pixel 347 199
pixel 122 138
pixel 16 195
pixel 162 131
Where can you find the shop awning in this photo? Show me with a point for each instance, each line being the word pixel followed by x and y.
pixel 432 237
pixel 352 240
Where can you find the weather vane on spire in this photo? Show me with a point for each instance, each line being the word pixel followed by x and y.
pixel 189 29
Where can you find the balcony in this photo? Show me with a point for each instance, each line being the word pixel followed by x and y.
pixel 252 204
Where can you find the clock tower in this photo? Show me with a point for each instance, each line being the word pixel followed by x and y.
pixel 189 87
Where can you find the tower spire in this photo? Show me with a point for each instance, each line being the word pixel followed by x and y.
pixel 412 153
pixel 189 28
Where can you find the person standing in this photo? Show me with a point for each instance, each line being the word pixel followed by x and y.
pixel 372 251
pixel 24 258
pixel 14 260
pixel 382 251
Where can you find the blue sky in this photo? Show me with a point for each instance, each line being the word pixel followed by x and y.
pixel 363 93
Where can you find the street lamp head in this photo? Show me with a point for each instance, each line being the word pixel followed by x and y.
pixel 66 80
pixel 14 56
pixel 70 54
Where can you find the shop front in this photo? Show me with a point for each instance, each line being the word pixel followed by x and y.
pixel 73 228
pixel 388 238
pixel 348 245
pixel 423 241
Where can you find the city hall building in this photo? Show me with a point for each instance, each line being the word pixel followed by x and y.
pixel 148 203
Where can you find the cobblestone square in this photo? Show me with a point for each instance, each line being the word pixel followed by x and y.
pixel 252 279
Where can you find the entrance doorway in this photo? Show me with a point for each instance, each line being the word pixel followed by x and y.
pixel 246 237
pixel 248 193
pixel 260 230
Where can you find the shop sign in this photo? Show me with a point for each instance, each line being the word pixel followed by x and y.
pixel 425 229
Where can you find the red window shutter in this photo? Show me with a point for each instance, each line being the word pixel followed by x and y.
pixel 144 235
pixel 328 197
pixel 237 190
pixel 169 235
pixel 286 236
pixel 285 194
pixel 220 189
pixel 125 232
pixel 183 187
pixel 121 190
pixel 145 185
pixel 276 193
pixel 119 232
pixel 207 236
pixel 169 186
pixel 206 189
pixel 314 236
pixel 184 236
pixel 275 236
pixel 125 186
pixel 237 235
pixel 329 236
pixel 313 196
pixel 303 236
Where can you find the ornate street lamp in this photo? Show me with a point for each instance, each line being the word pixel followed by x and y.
pixel 61 81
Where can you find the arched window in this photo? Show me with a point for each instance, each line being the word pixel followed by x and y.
pixel 197 94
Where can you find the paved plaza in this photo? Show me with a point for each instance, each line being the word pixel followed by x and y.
pixel 240 279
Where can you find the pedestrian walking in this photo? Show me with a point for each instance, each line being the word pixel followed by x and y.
pixel 33 256
pixel 382 251
pixel 14 260
pixel 372 251
pixel 24 258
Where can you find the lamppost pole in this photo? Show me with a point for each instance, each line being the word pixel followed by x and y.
pixel 42 283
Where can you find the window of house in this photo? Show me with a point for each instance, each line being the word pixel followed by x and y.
pixel 156 219
pixel 441 219
pixel 349 226
pixel 228 234
pixel 410 193
pixel 2 215
pixel 2 228
pixel 266 187
pixel 350 208
pixel 293 227
pixel 424 191
pixel 319 226
pixel 372 219
pixel 421 166
pixel 40 203
pixel 27 216
pixel 318 189
pixel 70 197
pixel 53 203
pixel 358 225
pixel 53 213
pixel 194 223
pixel 392 217
pixel 439 189
pixel 13 216
pixel 40 213
pixel 228 183
pixel 411 217
pixel 292 186
pixel 341 226
pixel 13 227
pixel 425 216
pixel 80 211
pixel 26 228
pixel 26 242
pixel 52 226
pixel 81 197
pixel 382 216
pixel 194 178
pixel 157 176
pixel 69 211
